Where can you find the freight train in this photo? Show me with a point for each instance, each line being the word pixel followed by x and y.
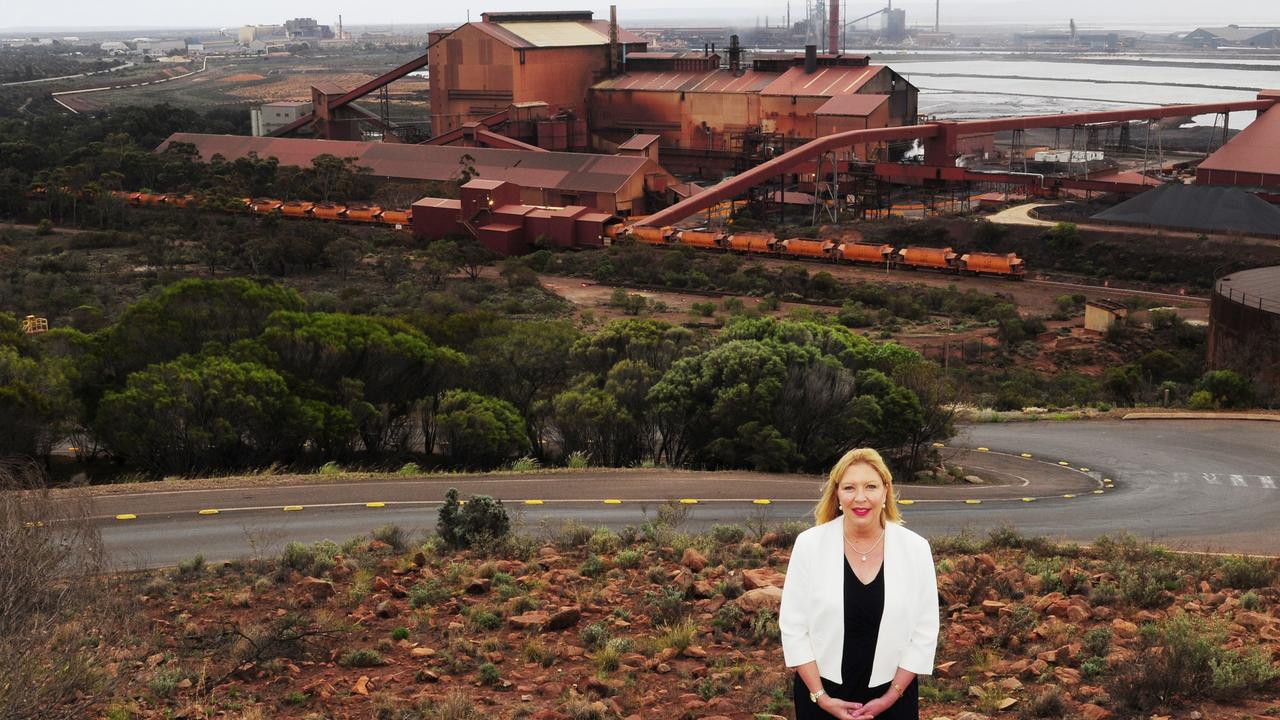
pixel 836 251
pixel 363 213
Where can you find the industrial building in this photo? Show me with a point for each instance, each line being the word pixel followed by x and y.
pixel 269 117
pixel 1252 158
pixel 1235 36
pixel 705 113
pixel 614 184
pixel 1244 325
pixel 482 68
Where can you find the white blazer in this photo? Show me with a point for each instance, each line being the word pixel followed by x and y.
pixel 812 615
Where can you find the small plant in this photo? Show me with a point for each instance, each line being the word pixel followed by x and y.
pixel 764 628
pixel 1093 668
pixel 604 542
pixel 595 635
pixel 409 469
pixel 678 636
pixel 991 697
pixel 1246 573
pixel 297 556
pixel 525 464
pixel 295 697
pixel 1250 601
pixel 331 468
pixel 578 460
pixel 1047 704
pixel 392 535
pixel 592 567
pixel 485 620
pixel 628 558
pixel 609 657
pixel 487 674
pixel 728 534
pixel 400 633
pixel 190 568
pixel 667 605
pixel 164 683
pixel 1097 641
pixel 482 520
pixel 361 658
pixel 536 652
pixel 432 592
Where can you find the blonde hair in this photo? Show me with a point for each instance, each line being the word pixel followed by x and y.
pixel 829 507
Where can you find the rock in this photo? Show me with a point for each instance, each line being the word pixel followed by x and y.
pixel 565 618
pixel 974 480
pixel 316 588
pixel 992 607
pixel 422 652
pixel 1089 711
pixel 387 609
pixel 570 652
pixel 1123 628
pixel 969 715
pixel 766 598
pixel 1077 614
pixel 1253 620
pixel 986 561
pixel 398 591
pixel 769 539
pixel 1044 602
pixel 362 686
pixel 1011 684
pixel 695 651
pixel 762 577
pixel 693 560
pixel 184 684
pixel 479 586
pixel 1067 676
pixel 155 660
pixel 380 584
pixel 420 559
pixel 532 620
pixel 662 669
pixel 950 669
pixel 703 589
pixel 427 676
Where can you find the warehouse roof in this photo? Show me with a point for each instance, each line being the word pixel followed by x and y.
pixel 1232 33
pixel 852 105
pixel 688 81
pixel 1198 207
pixel 576 172
pixel 565 33
pixel 825 82
pixel 1255 150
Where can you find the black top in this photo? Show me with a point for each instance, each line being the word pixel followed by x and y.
pixel 863 608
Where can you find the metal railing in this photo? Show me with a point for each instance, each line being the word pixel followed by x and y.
pixel 1247 299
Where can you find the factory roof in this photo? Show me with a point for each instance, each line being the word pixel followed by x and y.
pixel 1255 150
pixel 565 33
pixel 581 172
pixel 1214 208
pixel 852 105
pixel 677 81
pixel 639 141
pixel 1232 33
pixel 825 82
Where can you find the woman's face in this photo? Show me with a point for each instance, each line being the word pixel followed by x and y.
pixel 861 494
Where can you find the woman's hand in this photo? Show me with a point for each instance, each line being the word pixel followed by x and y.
pixel 841 709
pixel 875 707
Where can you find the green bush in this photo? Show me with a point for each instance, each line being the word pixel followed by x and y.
pixel 297 556
pixel 1229 389
pixel 392 535
pixel 1201 400
pixel 628 558
pixel 409 469
pixel 431 592
pixel 666 606
pixel 595 635
pixel 361 658
pixel 485 620
pixel 1246 573
pixel 728 534
pixel 479 430
pixel 1098 641
pixel 487 674
pixel 331 468
pixel 481 520
pixel 592 567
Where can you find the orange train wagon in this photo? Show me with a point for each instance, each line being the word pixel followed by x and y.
pixel 151 199
pixel 1009 265
pixel 799 247
pixel 264 205
pixel 926 257
pixel 699 238
pixel 181 201
pixel 750 242
pixel 328 211
pixel 363 212
pixel 651 235
pixel 395 217
pixel 296 208
pixel 855 252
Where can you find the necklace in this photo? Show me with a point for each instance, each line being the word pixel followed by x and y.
pixel 863 553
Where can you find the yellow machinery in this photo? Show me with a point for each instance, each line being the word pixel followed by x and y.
pixel 33 325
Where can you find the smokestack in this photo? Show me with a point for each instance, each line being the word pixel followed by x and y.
pixel 833 28
pixel 937 15
pixel 340 28
pixel 613 40
pixel 810 59
pixel 735 54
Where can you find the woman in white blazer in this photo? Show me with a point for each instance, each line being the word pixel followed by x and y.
pixel 859 615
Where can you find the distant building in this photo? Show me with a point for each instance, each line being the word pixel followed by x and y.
pixel 306 29
pixel 1100 315
pixel 156 48
pixel 114 46
pixel 249 33
pixel 270 117
pixel 1235 36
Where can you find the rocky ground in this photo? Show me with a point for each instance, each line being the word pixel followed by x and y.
pixel 582 623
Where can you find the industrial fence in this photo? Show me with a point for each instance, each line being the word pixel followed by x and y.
pixel 1247 299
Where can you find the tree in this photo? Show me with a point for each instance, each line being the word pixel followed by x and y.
pixel 343 254
pixel 479 431
pixel 1228 389
pixel 36 404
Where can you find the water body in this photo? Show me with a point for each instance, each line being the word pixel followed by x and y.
pixel 967 88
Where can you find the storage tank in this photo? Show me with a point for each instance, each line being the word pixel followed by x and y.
pixel 993 263
pixel 750 242
pixel 363 212
pixel 699 238
pixel 651 235
pixel 864 252
pixel 1244 325
pixel 926 257
pixel 296 208
pixel 799 247
pixel 328 211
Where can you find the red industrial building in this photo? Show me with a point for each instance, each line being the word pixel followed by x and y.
pixel 482 68
pixel 704 112
pixel 615 184
pixel 1252 158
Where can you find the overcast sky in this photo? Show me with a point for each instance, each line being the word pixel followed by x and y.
pixel 1162 15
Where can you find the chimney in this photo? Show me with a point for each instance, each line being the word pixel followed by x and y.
pixel 735 54
pixel 705 49
pixel 833 28
pixel 713 48
pixel 613 40
pixel 810 59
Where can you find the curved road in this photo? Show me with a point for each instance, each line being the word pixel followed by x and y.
pixel 1191 484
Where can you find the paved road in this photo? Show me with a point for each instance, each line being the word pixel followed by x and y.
pixel 1190 484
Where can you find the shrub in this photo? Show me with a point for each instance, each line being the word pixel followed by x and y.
pixel 1047 704
pixel 488 674
pixel 297 556
pixel 1246 573
pixel 481 520
pixel 478 430
pixel 400 633
pixel 409 469
pixel 1093 668
pixel 667 605
pixel 190 568
pixel 1201 400
pixel 603 541
pixel 1228 389
pixel 764 628
pixel 485 620
pixel 592 567
pixel 1098 641
pixel 678 636
pixel 1250 601
pixel 578 460
pixel 392 535
pixel 431 592
pixel 361 658
pixel 525 464
pixel 164 683
pixel 331 468
pixel 728 534
pixel 628 558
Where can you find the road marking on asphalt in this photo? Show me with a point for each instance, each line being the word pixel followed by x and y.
pixel 208 511
pixel 1238 481
pixel 1267 482
pixel 292 508
pixel 1028 499
pixel 1211 478
pixel 1027 455
pixel 1068 496
pixel 906 502
pixel 688 501
pixel 1064 463
pixel 127 516
pixel 375 505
